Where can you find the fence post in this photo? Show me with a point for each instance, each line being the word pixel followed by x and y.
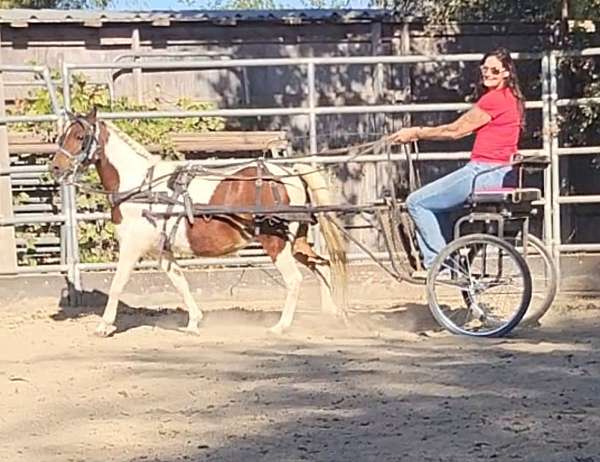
pixel 555 160
pixel 137 72
pixel 69 231
pixel 312 104
pixel 8 251
pixel 547 148
pixel 312 136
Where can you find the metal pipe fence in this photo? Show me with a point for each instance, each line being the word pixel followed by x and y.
pixel 8 241
pixel 44 73
pixel 558 152
pixel 548 103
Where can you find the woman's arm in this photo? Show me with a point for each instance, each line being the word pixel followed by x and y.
pixel 461 127
pixel 466 124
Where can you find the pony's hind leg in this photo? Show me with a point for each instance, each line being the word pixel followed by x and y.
pixel 319 266
pixel 328 305
pixel 322 272
pixel 177 277
pixel 280 252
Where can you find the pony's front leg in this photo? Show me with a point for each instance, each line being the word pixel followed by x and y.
pixel 129 253
pixel 175 274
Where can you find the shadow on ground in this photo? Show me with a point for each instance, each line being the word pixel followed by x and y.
pixel 74 304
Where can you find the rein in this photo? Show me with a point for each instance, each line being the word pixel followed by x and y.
pixel 125 195
pixel 366 148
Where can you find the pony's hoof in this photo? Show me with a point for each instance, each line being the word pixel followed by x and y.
pixel 105 330
pixel 190 330
pixel 531 324
pixel 345 319
pixel 277 330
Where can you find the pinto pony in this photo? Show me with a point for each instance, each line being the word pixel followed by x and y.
pixel 128 171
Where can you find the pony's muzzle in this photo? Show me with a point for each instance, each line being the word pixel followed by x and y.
pixel 58 173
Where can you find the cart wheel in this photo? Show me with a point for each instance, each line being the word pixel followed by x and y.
pixel 479 285
pixel 544 277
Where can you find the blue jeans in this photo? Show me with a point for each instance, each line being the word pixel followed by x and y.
pixel 430 205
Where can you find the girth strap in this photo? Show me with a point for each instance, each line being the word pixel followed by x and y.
pixel 178 183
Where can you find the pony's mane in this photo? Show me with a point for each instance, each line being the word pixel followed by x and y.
pixel 139 148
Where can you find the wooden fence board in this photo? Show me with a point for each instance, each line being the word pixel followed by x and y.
pixel 226 141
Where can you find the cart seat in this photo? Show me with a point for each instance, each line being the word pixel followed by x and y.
pixel 505 195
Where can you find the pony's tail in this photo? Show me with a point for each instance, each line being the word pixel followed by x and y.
pixel 320 194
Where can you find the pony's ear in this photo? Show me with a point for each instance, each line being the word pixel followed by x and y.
pixel 91 115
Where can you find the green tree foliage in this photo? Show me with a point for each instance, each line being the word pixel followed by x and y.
pixel 496 10
pixel 433 10
pixel 85 95
pixel 584 9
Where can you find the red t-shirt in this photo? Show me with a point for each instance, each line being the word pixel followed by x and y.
pixel 497 140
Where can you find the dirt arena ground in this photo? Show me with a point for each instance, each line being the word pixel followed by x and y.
pixel 391 387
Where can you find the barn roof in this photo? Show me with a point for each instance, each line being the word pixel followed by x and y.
pixel 90 18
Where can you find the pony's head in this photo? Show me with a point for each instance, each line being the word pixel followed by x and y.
pixel 78 147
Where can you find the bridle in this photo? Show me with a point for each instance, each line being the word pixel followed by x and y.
pixel 89 145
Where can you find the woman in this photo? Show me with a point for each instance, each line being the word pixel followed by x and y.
pixel 496 119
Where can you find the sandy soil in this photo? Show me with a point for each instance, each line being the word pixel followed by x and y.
pixel 390 387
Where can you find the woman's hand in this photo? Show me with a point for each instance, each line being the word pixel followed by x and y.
pixel 405 135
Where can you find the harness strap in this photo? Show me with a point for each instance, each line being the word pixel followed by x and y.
pixel 179 184
pixel 277 199
pixel 272 220
pixel 258 182
pixel 258 187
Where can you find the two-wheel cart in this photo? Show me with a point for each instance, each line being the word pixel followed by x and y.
pixel 493 274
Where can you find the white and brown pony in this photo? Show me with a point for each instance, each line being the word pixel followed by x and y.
pixel 125 166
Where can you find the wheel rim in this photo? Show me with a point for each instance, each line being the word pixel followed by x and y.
pixel 479 287
pixel 544 276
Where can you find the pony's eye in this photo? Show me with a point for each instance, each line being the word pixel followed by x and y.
pixel 80 137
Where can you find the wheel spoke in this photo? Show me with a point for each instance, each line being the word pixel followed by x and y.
pixel 487 290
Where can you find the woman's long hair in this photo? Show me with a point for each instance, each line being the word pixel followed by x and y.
pixel 512 81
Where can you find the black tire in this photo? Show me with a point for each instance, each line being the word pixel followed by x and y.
pixel 544 278
pixel 478 263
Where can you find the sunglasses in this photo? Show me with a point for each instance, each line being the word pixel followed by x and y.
pixel 492 70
